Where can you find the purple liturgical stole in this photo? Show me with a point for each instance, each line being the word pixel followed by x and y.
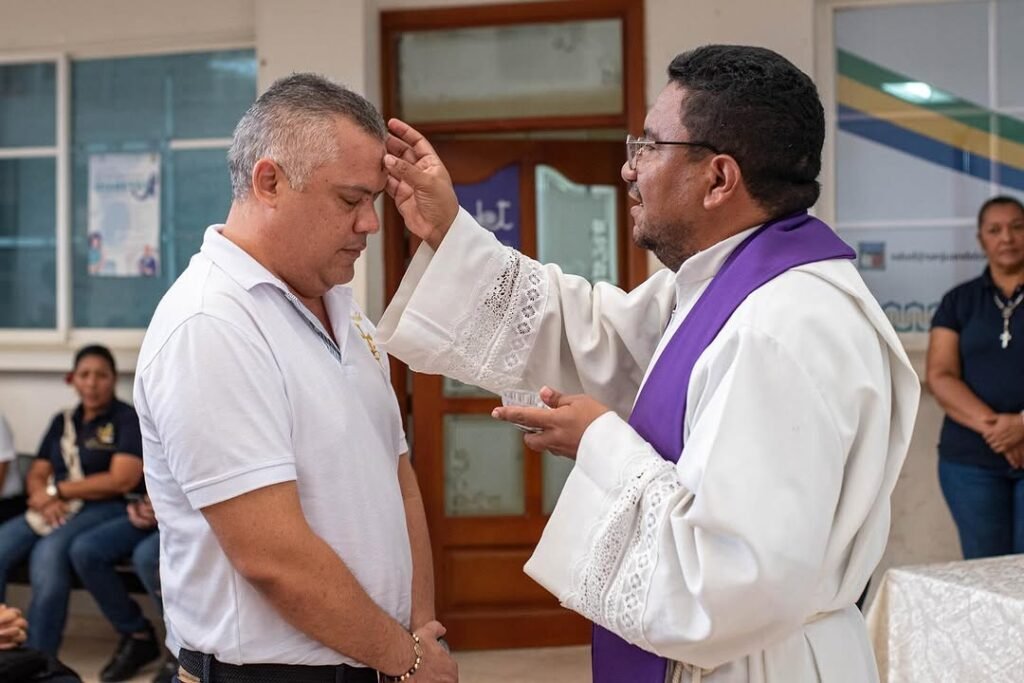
pixel 660 408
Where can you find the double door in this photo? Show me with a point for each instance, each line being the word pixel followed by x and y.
pixel 487 496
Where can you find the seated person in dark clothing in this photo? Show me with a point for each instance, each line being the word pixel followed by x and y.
pixel 23 665
pixel 95 555
pixel 12 499
pixel 90 457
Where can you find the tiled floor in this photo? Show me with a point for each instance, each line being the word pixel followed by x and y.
pixel 542 665
pixel 88 655
pixel 546 665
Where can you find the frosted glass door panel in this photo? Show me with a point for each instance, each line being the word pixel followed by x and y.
pixel 576 226
pixel 453 388
pixel 556 471
pixel 500 72
pixel 483 467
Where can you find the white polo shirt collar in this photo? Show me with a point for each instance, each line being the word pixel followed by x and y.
pixel 249 273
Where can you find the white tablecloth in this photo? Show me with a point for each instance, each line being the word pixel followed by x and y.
pixel 959 622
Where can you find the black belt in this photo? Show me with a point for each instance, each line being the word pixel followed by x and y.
pixel 218 672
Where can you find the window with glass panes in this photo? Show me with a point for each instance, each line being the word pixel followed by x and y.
pixel 179 109
pixel 930 124
pixel 28 195
pixel 182 108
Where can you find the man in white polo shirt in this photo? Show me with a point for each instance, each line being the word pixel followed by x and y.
pixel 293 540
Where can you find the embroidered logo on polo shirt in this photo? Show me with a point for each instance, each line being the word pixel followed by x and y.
pixel 357 319
pixel 102 438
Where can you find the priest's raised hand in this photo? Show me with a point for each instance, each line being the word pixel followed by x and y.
pixel 419 183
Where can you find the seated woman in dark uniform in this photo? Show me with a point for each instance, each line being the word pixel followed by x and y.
pixel 976 371
pixel 90 457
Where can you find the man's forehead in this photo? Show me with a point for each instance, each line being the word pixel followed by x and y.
pixel 349 134
pixel 360 188
pixel 359 171
pixel 664 114
pixel 359 163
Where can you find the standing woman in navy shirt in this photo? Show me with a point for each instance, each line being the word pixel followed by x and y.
pixel 90 457
pixel 975 368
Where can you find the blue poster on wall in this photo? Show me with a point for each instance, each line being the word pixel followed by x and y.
pixel 494 203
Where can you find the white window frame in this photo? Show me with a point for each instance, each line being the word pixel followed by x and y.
pixel 825 68
pixel 60 152
pixel 50 349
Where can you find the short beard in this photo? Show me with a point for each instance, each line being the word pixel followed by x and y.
pixel 673 255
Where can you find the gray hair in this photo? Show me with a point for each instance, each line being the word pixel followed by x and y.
pixel 292 123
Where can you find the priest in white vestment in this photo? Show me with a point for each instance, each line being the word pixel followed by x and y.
pixel 741 561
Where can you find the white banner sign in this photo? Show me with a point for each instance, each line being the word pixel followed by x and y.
pixel 910 269
pixel 124 215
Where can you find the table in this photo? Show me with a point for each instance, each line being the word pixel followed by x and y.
pixel 959 622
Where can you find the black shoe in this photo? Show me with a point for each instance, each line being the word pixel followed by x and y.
pixel 132 654
pixel 167 670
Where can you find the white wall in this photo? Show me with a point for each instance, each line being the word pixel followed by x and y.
pixel 340 38
pixel 673 26
pixel 117 26
pixel 31 377
pixel 922 528
pixel 329 38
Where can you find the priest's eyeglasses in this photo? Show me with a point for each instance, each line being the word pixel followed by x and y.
pixel 636 146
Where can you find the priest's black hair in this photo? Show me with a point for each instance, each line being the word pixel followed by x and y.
pixel 755 105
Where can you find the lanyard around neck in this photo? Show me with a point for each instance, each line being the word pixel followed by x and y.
pixel 313 324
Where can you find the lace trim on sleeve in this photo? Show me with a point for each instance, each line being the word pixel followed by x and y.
pixel 493 342
pixel 610 586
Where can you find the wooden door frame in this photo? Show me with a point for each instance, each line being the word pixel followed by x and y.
pixel 563 627
pixel 398 247
pixel 630 12
pixel 485 157
pixel 468 606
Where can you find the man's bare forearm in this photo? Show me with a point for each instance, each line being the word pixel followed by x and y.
pixel 268 541
pixel 423 609
pixel 315 592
